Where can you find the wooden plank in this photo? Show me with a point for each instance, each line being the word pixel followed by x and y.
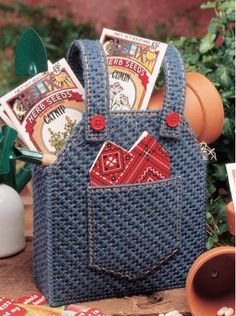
pixel 159 302
pixel 16 281
pixel 16 274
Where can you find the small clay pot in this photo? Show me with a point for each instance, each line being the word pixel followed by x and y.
pixel 203 107
pixel 231 217
pixel 210 282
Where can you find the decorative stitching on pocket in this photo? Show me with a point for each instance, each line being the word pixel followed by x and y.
pixel 133 278
pixel 91 228
pixel 135 185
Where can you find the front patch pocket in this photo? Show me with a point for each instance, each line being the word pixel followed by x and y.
pixel 133 229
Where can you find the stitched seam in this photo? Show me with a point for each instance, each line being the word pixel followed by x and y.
pixel 90 228
pixel 122 274
pixel 102 133
pixel 183 80
pixel 164 129
pixel 134 113
pixel 178 221
pixel 168 90
pixel 130 276
pixel 88 88
pixel 183 90
pixel 176 131
pixel 105 79
pixel 89 131
pixel 135 186
pixel 106 87
pixel 88 92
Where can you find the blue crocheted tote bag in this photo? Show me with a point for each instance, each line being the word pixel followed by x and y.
pixel 100 242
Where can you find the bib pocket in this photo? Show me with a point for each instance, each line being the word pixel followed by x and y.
pixel 135 228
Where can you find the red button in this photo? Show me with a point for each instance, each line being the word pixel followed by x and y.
pixel 98 122
pixel 172 119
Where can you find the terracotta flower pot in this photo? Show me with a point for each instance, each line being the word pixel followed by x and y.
pixel 231 217
pixel 203 107
pixel 210 282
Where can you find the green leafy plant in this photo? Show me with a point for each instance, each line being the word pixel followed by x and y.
pixel 214 56
pixel 56 33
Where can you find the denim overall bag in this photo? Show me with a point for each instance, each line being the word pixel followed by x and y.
pixel 94 242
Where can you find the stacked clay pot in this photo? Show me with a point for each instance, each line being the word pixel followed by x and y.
pixel 203 107
pixel 210 282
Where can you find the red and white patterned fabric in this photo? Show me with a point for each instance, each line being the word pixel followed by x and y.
pixel 146 161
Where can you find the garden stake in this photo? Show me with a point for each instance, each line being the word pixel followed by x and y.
pixel 8 156
pixel 30 57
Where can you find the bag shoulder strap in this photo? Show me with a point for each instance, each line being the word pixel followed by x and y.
pixel 89 63
pixel 175 90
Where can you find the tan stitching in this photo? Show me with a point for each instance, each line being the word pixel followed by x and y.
pixel 89 131
pixel 168 85
pixel 105 79
pixel 166 96
pixel 183 80
pixel 143 113
pixel 121 274
pixel 88 92
pixel 90 227
pixel 132 277
pixel 135 186
pixel 178 222
pixel 163 127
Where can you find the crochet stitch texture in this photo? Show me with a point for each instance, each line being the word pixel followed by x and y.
pixel 99 242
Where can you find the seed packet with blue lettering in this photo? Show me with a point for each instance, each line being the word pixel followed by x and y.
pixel 45 109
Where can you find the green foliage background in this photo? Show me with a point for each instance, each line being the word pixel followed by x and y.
pixel 213 56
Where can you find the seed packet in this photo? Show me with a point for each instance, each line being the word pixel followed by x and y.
pixel 5 117
pixel 36 304
pixel 231 171
pixel 6 120
pixel 45 109
pixel 133 64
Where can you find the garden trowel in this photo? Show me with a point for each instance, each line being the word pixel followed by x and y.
pixel 30 57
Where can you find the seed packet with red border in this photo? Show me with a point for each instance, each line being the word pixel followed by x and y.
pixel 133 65
pixel 45 109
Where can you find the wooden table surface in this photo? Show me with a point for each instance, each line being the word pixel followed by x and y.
pixel 16 281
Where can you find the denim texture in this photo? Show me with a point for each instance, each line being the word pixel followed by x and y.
pixel 100 242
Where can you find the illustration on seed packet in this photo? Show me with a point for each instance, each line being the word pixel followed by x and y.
pixel 133 65
pixel 44 111
pixel 119 100
pixel 36 304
